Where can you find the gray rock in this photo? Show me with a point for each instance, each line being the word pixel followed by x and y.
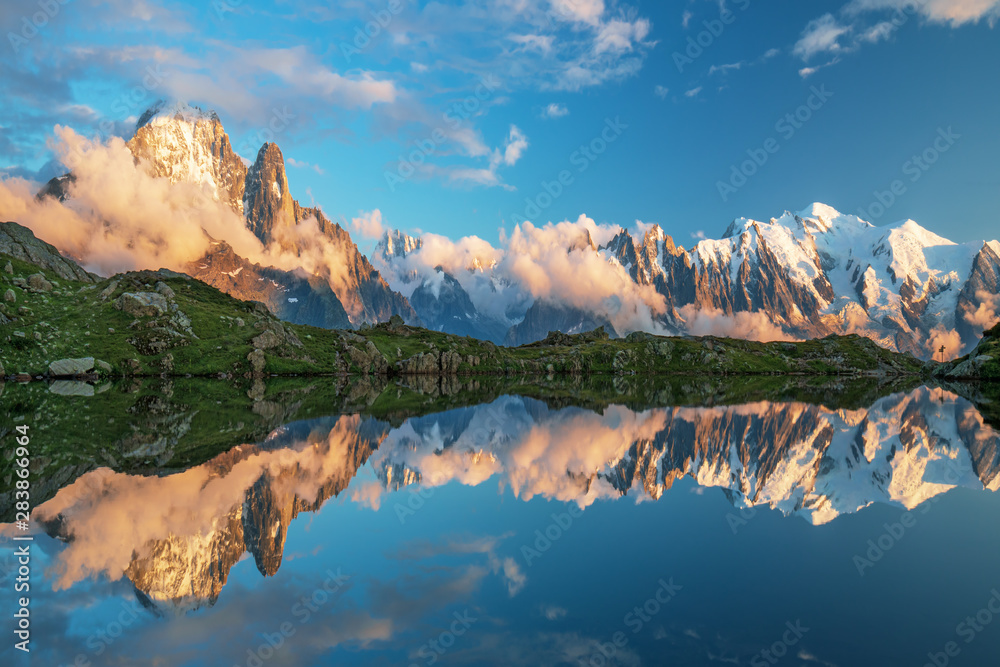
pixel 103 365
pixel 8 268
pixel 38 283
pixel 9 296
pixel 71 388
pixel 67 367
pixel 165 290
pixel 20 242
pixel 142 304
pixel 109 290
pixel 267 340
pixel 257 360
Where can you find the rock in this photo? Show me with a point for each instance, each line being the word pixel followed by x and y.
pixel 108 291
pixel 267 340
pixel 19 334
pixel 134 365
pixel 167 362
pixel 257 360
pixel 8 268
pixel 2 373
pixel 110 330
pixel 68 367
pixel 71 388
pixel 240 322
pixel 142 304
pixel 103 365
pixel 20 243
pixel 38 283
pixel 37 335
pixel 165 290
pixel 9 296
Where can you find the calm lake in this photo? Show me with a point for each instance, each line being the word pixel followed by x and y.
pixel 677 522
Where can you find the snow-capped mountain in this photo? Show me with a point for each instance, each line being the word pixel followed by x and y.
pixel 802 459
pixel 437 297
pixel 805 275
pixel 186 144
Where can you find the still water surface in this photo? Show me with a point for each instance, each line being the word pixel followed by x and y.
pixel 515 530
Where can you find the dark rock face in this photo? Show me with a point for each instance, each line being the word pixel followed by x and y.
pixel 443 305
pixel 267 203
pixel 20 242
pixel 545 316
pixel 300 299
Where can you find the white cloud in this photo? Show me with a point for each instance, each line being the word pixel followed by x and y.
pixel 661 91
pixel 725 68
pixel 584 11
pixel 298 164
pixel 955 12
pixel 369 224
pixel 555 110
pixel 821 35
pixel 693 92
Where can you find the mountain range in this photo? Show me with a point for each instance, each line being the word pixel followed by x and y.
pixel 806 275
pixel 802 459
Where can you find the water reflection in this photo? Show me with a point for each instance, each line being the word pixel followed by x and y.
pixel 176 537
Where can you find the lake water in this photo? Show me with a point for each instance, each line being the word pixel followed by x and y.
pixel 681 523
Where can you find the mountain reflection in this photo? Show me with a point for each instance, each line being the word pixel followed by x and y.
pixel 176 537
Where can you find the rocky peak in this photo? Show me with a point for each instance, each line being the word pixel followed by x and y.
pixel 186 144
pixel 267 202
pixel 396 243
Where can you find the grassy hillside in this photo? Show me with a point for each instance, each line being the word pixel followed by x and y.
pixel 153 323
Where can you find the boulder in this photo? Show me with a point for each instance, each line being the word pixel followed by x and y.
pixel 71 388
pixel 9 296
pixel 257 360
pixel 103 365
pixel 8 268
pixel 38 283
pixel 267 340
pixel 68 367
pixel 142 304
pixel 165 290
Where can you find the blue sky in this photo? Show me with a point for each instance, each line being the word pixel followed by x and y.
pixel 490 101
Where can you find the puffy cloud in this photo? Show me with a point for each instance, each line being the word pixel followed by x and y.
pixel 821 35
pixel 700 321
pixel 119 216
pixel 955 12
pixel 948 339
pixel 555 110
pixel 369 225
pixel 987 313
pixel 584 11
